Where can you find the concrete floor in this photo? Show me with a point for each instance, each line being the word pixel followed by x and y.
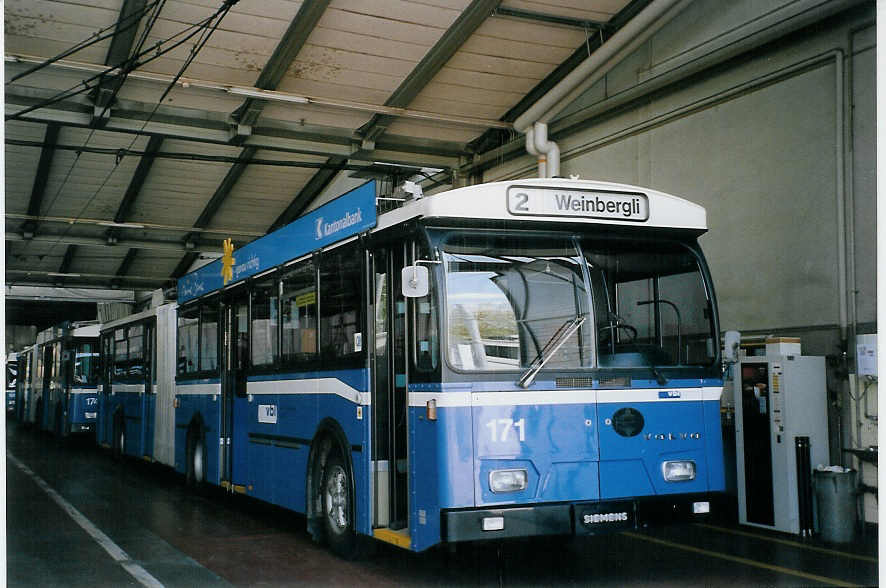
pixel 137 524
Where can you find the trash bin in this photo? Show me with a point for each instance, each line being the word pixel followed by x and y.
pixel 836 493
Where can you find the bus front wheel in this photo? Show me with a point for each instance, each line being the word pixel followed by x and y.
pixel 338 507
pixel 196 470
pixel 118 442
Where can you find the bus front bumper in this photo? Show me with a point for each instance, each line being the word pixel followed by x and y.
pixel 578 518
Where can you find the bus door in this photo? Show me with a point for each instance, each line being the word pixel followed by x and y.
pixel 235 406
pixel 43 404
pixel 389 399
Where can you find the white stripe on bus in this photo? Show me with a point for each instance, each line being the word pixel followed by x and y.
pixel 127 388
pixel 551 397
pixel 332 386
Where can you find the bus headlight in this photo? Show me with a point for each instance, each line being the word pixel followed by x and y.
pixel 507 480
pixel 678 471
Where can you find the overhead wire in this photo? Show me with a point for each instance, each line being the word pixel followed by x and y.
pixel 96 37
pixel 202 27
pixel 130 65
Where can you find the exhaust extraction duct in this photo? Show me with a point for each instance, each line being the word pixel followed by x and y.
pixel 534 121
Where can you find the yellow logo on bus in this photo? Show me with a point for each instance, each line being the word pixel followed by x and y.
pixel 228 261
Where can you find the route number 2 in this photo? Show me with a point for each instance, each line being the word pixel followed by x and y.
pixel 501 429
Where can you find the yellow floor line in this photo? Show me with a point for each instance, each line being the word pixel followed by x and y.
pixel 789 542
pixel 741 560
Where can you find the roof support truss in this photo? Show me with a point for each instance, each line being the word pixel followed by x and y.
pixel 284 54
pixel 118 53
pixel 29 227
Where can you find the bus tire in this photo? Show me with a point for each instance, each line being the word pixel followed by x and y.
pixel 118 441
pixel 338 507
pixel 195 473
pixel 59 422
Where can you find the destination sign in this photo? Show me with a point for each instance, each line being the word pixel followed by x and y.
pixel 571 202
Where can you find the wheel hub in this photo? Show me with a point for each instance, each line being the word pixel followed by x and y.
pixel 336 499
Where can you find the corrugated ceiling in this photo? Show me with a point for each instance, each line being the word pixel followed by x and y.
pixel 414 82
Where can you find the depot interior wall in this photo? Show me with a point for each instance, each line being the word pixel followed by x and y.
pixel 755 142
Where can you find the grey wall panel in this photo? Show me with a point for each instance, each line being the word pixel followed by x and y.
pixel 756 143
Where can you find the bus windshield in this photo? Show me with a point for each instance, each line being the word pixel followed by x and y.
pixel 86 363
pixel 509 296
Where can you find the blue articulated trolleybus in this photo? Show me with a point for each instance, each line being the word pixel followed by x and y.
pixel 62 387
pixel 509 359
pixel 135 397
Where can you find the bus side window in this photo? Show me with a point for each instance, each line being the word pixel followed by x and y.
pixel 187 340
pixel 136 350
pixel 264 323
pixel 209 335
pixel 341 315
pixel 299 314
pixel 120 353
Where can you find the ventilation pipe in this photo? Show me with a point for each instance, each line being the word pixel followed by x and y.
pixel 634 33
pixel 547 152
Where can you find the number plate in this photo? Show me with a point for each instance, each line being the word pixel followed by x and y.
pixel 570 202
pixel 591 519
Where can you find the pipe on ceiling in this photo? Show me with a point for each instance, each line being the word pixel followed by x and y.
pixel 534 121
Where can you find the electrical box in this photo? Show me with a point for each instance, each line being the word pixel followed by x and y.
pixel 866 354
pixel 777 399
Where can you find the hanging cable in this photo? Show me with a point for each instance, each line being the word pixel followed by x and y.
pixel 134 63
pixel 206 30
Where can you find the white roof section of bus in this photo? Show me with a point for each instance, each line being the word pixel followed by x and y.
pixel 489 202
pixel 134 317
pixel 87 331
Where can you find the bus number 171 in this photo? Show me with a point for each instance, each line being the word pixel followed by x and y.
pixel 501 429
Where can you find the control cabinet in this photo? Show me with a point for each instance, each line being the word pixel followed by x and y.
pixel 777 399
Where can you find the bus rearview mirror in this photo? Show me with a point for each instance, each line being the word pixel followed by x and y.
pixel 414 280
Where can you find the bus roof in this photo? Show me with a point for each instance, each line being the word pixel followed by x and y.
pixel 131 318
pixel 521 201
pixel 556 201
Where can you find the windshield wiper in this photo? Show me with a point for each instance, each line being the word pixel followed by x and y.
pixel 550 348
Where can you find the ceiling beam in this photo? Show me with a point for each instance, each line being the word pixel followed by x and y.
pixel 212 207
pixel 281 59
pixel 138 178
pixel 184 265
pixel 274 135
pixel 310 191
pixel 153 245
pixel 433 61
pixel 118 54
pixel 68 258
pixel 123 269
pixel 568 21
pixel 224 189
pixel 29 227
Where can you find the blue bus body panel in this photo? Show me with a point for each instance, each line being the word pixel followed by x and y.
pixel 570 450
pixel 556 443
pixel 441 465
pixel 206 408
pixel 713 433
pixel 271 458
pixel 83 408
